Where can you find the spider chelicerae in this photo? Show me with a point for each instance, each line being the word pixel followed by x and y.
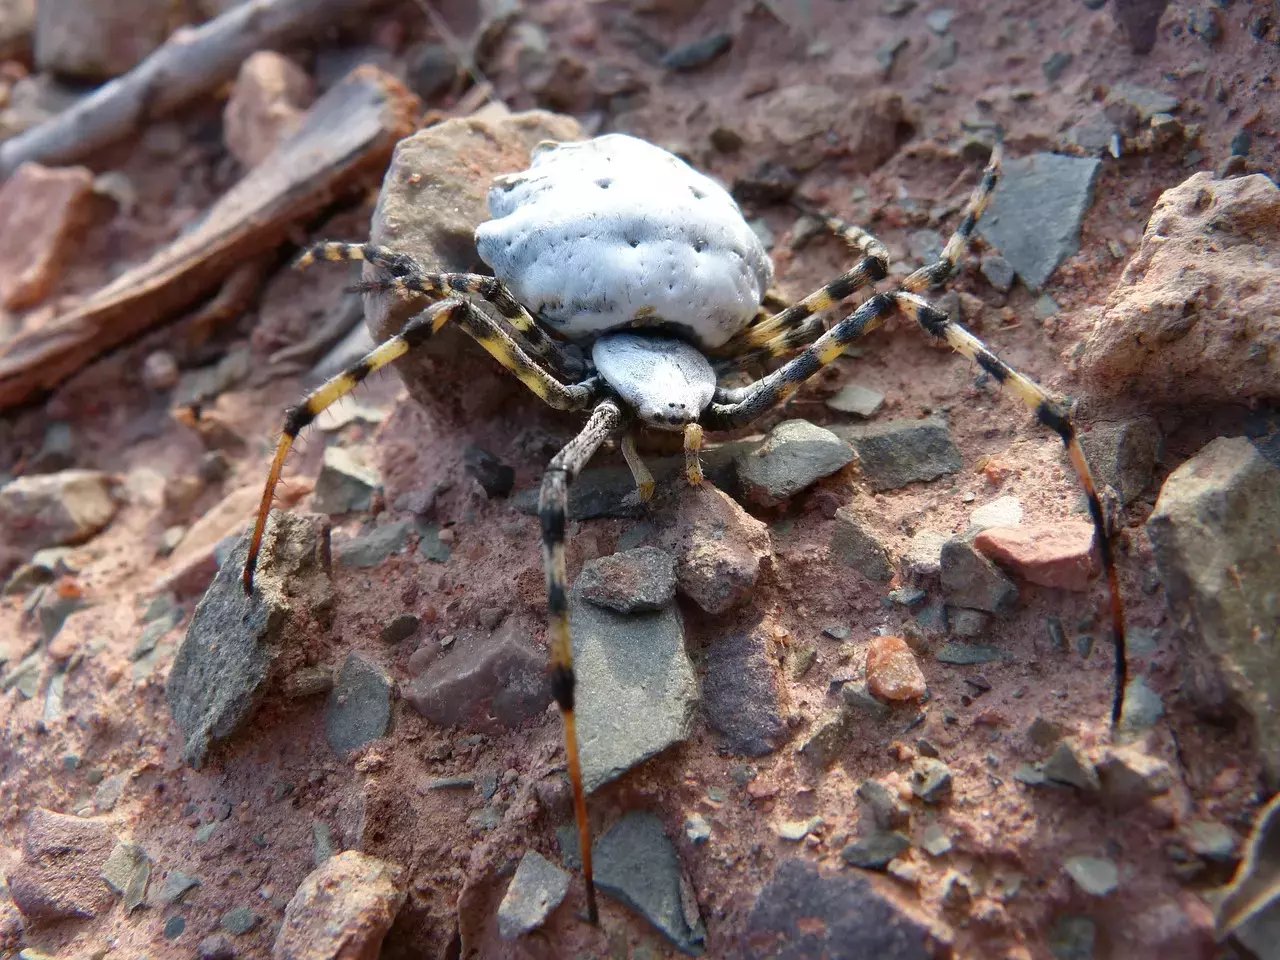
pixel 618 246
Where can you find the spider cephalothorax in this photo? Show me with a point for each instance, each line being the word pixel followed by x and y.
pixel 624 249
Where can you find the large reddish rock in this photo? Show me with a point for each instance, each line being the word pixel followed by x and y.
pixel 42 214
pixel 892 670
pixel 1057 555
pixel 718 548
pixel 342 910
pixel 487 683
pixel 60 876
pixel 1196 314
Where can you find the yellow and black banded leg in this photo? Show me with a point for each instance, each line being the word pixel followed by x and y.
pixel 692 451
pixel 416 332
pixel 942 269
pixel 873 266
pixel 606 421
pixel 753 400
pixel 408 278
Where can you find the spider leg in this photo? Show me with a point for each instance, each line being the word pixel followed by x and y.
pixel 415 333
pixel 606 420
pixel 769 391
pixel 692 447
pixel 408 278
pixel 645 484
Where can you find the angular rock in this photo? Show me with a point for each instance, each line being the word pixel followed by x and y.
pixel 223 665
pixel 718 548
pixel 494 476
pixel 636 688
pixel 1096 876
pixel 1036 212
pixel 433 197
pixel 345 484
pixel 359 708
pixel 924 553
pixel 60 875
pixel 97 41
pixel 1214 533
pixel 930 779
pixel 968 654
pixel 898 452
pixel 1139 20
pixel 999 272
pixel 43 214
pixel 804 913
pixel 52 509
pixel 638 866
pixel 1123 455
pixel 795 455
pixel 1059 554
pixel 969 579
pixel 1196 315
pixel 1001 512
pixel 633 581
pixel 1250 907
pixel 892 671
pixel 854 544
pixel 742 694
pixel 1143 708
pixel 126 872
pixel 537 888
pixel 342 910
pixel 486 683
pixel 887 808
pixel 372 548
pixel 873 852
pixel 1067 766
pixel 270 96
pixel 859 401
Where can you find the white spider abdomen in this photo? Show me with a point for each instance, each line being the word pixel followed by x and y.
pixel 614 232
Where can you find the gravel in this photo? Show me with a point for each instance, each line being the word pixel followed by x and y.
pixel 345 483
pixel 971 580
pixel 855 544
pixel 641 580
pixel 795 455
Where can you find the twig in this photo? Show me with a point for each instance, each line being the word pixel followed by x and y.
pixel 346 138
pixel 191 63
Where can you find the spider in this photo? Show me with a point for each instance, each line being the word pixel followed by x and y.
pixel 624 249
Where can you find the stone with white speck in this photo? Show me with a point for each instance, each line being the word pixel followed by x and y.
pixel 537 888
pixel 795 455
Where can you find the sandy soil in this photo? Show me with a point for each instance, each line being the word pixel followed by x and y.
pixel 280 779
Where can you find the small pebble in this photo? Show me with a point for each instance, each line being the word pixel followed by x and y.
pixel 1096 876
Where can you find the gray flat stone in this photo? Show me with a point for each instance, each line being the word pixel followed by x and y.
pixel 874 852
pixel 537 888
pixel 803 913
pixel 222 666
pixel 971 580
pixel 634 581
pixel 52 509
pixel 638 866
pixel 372 548
pixel 1036 212
pixel 636 688
pixel 930 779
pixel 1214 533
pixel 968 654
pixel 359 707
pixel 795 455
pixel 1129 778
pixel 742 694
pixel 898 452
pixel 854 543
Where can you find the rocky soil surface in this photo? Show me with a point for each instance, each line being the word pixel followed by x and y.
pixel 850 698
